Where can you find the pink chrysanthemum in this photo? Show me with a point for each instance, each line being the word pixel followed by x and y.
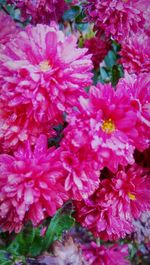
pixel 98 47
pixel 30 186
pixel 42 74
pixel 109 212
pixel 138 87
pixel 8 28
pixel 41 11
pixel 81 174
pixel 108 120
pixel 101 255
pixel 135 54
pixel 116 17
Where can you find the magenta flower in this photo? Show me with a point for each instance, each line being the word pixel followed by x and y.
pixel 110 211
pixel 30 186
pixel 101 255
pixel 41 11
pixel 117 18
pixel 138 89
pixel 108 120
pixel 8 28
pixel 42 74
pixel 136 54
pixel 99 48
pixel 81 172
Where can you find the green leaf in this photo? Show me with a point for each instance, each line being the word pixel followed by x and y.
pixel 2 2
pixel 117 73
pixel 5 258
pixel 22 241
pixel 110 59
pixel 62 221
pixel 104 74
pixel 37 245
pixel 68 1
pixel 72 13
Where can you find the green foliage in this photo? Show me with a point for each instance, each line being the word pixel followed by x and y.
pixel 2 2
pixel 8 259
pixel 54 141
pixel 72 13
pixel 30 242
pixel 5 258
pixel 59 223
pixel 68 1
pixel 22 242
pixel 112 71
pixel 110 59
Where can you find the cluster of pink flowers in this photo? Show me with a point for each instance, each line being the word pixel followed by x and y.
pixel 112 122
pixel 31 187
pixel 135 54
pixel 41 11
pixel 120 198
pixel 117 18
pixel 39 80
pixel 101 255
pixel 43 81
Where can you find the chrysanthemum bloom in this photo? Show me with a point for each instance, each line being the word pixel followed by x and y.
pixel 8 28
pixel 108 120
pixel 41 11
pixel 116 17
pixel 138 87
pixel 30 186
pixel 18 124
pixel 42 72
pixel 81 174
pixel 101 255
pixel 110 211
pixel 98 47
pixel 135 54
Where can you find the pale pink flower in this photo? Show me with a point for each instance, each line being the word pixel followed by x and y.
pixel 117 18
pixel 110 211
pixel 108 120
pixel 138 88
pixel 8 28
pixel 42 74
pixel 101 255
pixel 41 11
pixel 30 186
pixel 135 54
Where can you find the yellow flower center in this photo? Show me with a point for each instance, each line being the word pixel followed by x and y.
pixel 45 66
pixel 108 126
pixel 131 196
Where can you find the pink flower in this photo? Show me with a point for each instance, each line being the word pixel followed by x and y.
pixel 116 17
pixel 136 54
pixel 101 255
pixel 8 28
pixel 108 121
pixel 98 47
pixel 41 11
pixel 42 74
pixel 138 89
pixel 30 186
pixel 110 211
pixel 81 172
